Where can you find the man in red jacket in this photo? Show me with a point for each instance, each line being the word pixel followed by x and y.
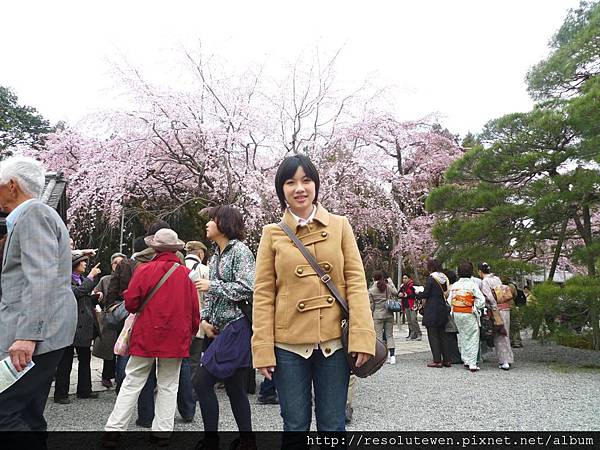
pixel 162 332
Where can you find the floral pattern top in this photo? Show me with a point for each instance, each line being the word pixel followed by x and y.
pixel 231 281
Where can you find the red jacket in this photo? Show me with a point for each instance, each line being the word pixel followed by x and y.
pixel 165 327
pixel 409 290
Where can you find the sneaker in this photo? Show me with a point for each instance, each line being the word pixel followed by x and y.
pixel 504 366
pixel 90 395
pixel 417 338
pixel 62 400
pixel 474 368
pixel 141 424
pixel 392 360
pixel 268 400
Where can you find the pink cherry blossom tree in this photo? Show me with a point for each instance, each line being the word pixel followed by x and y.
pixel 221 139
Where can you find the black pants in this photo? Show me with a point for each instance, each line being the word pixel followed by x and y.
pixel 84 373
pixel 438 342
pixel 22 405
pixel 108 369
pixel 236 387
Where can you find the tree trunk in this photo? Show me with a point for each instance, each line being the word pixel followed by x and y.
pixel 594 318
pixel 558 249
pixel 591 263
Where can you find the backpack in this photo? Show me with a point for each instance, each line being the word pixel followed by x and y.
pixel 520 299
pixel 195 263
pixel 502 293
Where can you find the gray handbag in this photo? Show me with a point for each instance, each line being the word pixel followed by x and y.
pixel 115 316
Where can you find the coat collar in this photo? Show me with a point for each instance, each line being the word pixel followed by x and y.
pixel 166 256
pixel 229 245
pixel 321 215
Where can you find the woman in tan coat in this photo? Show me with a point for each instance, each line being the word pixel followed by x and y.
pixel 296 320
pixel 382 290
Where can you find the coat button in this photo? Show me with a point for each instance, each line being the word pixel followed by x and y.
pixel 299 270
pixel 330 300
pixel 328 350
pixel 324 233
pixel 326 266
pixel 301 306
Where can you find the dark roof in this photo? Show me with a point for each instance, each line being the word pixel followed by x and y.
pixel 54 189
pixel 54 195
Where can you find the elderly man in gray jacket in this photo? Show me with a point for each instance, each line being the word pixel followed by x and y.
pixel 38 312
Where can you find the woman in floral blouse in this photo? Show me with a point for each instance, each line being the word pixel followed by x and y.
pixel 227 293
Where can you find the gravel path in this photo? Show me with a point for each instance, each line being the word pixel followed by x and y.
pixel 549 388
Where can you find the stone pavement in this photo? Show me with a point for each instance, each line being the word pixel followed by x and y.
pixel 403 347
pixel 549 388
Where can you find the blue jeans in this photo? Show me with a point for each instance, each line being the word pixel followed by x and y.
pixel 329 377
pixel 185 400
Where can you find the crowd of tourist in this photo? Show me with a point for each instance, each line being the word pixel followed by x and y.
pixel 171 323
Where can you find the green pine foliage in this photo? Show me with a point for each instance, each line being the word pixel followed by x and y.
pixel 19 125
pixel 532 180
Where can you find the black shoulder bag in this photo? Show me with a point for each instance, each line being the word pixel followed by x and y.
pixel 375 362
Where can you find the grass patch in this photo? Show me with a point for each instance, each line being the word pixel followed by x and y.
pixel 579 368
pixel 574 340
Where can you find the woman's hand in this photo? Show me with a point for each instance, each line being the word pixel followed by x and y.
pixel 202 284
pixel 95 271
pixel 361 358
pixel 210 331
pixel 267 372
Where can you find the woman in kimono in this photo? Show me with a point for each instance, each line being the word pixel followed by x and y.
pixel 466 300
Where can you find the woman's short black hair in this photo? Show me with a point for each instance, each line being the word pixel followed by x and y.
pixel 287 169
pixel 229 221
pixel 465 269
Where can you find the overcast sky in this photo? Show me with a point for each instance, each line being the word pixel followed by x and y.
pixel 466 60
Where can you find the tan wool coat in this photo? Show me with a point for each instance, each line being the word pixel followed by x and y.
pixel 292 305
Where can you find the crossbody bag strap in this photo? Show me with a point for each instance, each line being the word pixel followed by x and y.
pixel 325 278
pixel 444 294
pixel 157 287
